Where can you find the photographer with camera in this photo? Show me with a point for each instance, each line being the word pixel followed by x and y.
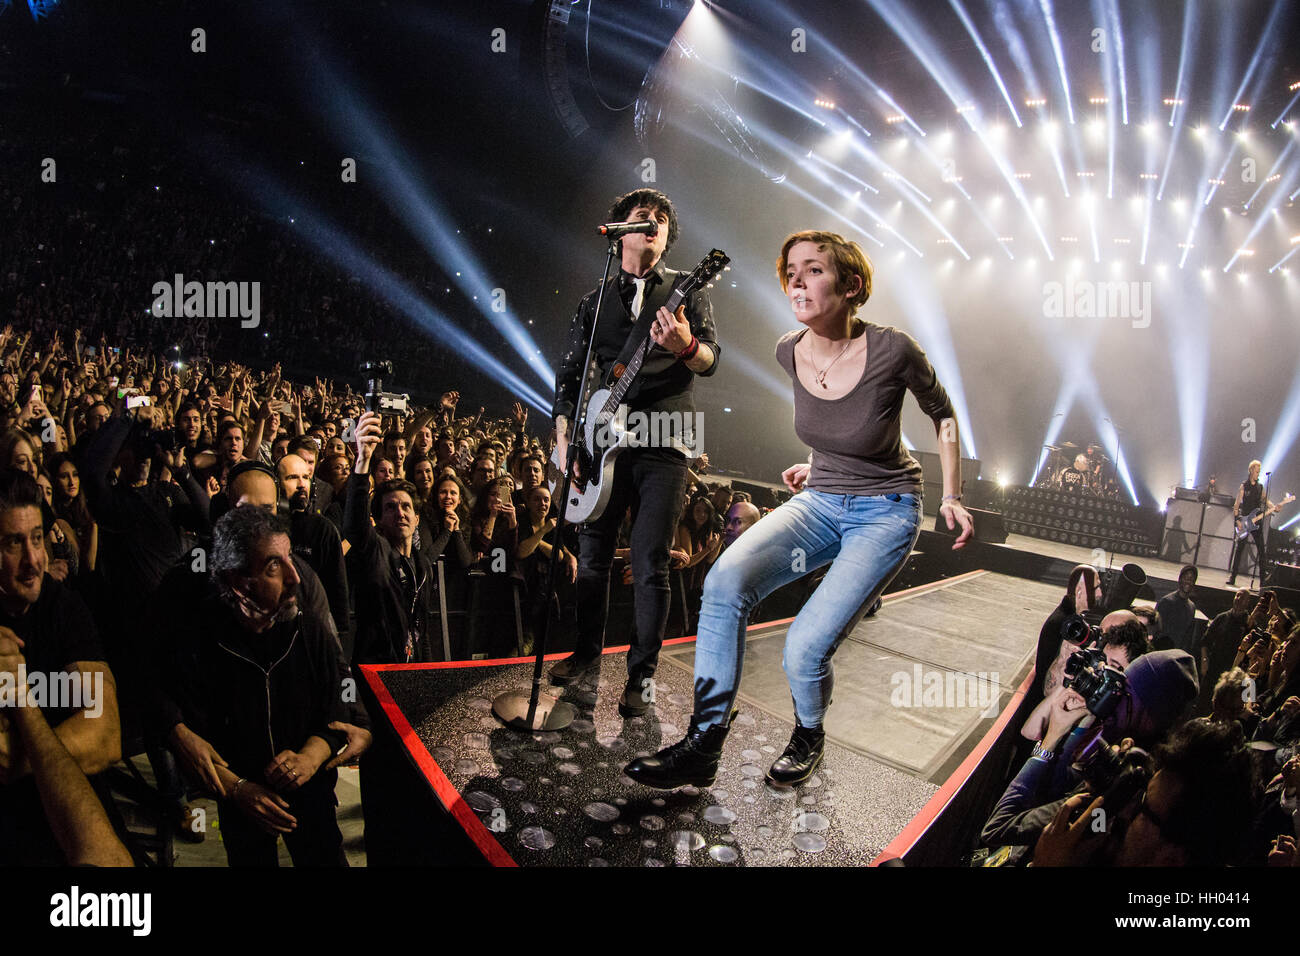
pixel 1120 636
pixel 1195 809
pixel 1101 702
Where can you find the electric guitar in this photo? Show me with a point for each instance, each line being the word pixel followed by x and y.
pixel 1248 523
pixel 605 429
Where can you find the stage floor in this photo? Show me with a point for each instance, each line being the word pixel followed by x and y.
pixel 979 624
pixel 561 798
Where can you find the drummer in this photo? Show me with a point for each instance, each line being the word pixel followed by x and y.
pixel 1077 479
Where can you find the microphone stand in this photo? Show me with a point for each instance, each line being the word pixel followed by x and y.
pixel 538 711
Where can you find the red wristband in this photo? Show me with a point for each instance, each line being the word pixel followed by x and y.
pixel 688 353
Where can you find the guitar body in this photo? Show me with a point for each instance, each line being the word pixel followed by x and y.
pixel 589 498
pixel 1248 523
pixel 604 430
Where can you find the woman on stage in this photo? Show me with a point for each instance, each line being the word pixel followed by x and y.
pixel 857 507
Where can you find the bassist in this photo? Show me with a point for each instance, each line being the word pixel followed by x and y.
pixel 651 481
pixel 1251 496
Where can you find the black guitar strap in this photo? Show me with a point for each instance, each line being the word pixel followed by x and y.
pixel 655 298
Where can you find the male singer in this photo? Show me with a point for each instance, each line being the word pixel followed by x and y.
pixel 651 481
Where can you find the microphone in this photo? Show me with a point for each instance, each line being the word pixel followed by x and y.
pixel 616 230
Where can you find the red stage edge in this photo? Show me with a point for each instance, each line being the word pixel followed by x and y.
pixel 496 854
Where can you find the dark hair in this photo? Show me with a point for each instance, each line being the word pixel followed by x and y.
pixel 413 461
pixel 304 442
pixel 1214 807
pixel 653 198
pixel 189 405
pixel 72 510
pixel 19 490
pixel 688 518
pixel 505 487
pixel 235 535
pixel 1131 635
pixel 390 487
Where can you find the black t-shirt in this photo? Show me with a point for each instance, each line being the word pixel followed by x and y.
pixel 57 631
pixel 1252 495
pixel 1074 480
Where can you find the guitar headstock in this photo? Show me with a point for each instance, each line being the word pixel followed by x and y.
pixel 708 269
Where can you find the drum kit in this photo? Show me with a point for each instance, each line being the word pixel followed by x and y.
pixel 1099 478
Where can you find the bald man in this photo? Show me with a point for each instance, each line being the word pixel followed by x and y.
pixel 1123 639
pixel 740 517
pixel 316 540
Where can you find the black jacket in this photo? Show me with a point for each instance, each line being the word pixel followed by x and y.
pixel 317 541
pixel 254 695
pixel 397 597
pixel 664 383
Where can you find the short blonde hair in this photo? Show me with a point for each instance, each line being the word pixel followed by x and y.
pixel 847 256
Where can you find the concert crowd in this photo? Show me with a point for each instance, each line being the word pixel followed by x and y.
pixel 211 533
pixel 144 502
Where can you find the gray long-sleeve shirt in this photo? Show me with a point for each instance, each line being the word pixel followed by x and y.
pixel 857 439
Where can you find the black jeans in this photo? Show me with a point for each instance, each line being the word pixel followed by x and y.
pixel 315 842
pixel 1261 556
pixel 652 482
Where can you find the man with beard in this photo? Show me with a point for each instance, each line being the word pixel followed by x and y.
pixel 320 495
pixel 259 682
pixel 50 630
pixel 317 542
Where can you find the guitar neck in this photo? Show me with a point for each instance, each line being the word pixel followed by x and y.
pixel 634 364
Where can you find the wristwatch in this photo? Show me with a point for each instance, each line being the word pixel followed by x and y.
pixel 1043 754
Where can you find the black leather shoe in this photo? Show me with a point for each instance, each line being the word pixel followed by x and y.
pixel 802 755
pixel 572 668
pixel 637 697
pixel 693 760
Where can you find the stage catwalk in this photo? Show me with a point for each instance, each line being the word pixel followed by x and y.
pixel 556 799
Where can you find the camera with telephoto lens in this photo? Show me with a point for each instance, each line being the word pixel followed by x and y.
pixel 1102 687
pixel 377 400
pixel 1115 776
pixel 1078 631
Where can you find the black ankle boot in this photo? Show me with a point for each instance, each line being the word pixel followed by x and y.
pixel 802 755
pixel 693 760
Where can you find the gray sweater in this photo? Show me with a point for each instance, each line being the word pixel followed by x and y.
pixel 856 440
